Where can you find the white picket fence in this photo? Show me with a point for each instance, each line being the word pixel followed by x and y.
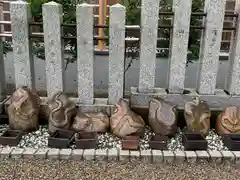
pixel 209 54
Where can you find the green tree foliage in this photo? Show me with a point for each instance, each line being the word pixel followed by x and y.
pixel 195 35
pixel 133 12
pixel 69 17
pixel 194 43
pixel 133 16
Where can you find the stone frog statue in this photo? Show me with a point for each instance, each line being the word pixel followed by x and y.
pixel 91 121
pixel 162 117
pixel 197 116
pixel 228 121
pixel 124 121
pixel 23 110
pixel 61 112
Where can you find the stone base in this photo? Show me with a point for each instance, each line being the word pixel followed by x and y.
pixel 100 105
pixel 216 102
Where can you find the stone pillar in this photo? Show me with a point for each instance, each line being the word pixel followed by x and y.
pixel 116 53
pixel 2 69
pixel 52 19
pixel 179 45
pixel 85 53
pixel 232 82
pixel 22 55
pixel 210 46
pixel 149 26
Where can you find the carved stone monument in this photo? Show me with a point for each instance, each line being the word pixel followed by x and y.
pixel 162 117
pixel 98 122
pixel 197 116
pixel 61 112
pixel 228 121
pixel 124 121
pixel 23 110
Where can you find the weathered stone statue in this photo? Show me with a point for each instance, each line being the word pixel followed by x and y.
pixel 197 116
pixel 62 111
pixel 23 110
pixel 228 121
pixel 124 121
pixel 98 122
pixel 162 117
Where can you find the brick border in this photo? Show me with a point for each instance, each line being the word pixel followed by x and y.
pixel 114 154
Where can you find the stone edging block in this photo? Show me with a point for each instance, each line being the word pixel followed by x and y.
pixel 114 154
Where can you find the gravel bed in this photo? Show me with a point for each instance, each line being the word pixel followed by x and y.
pixel 74 170
pixel 107 140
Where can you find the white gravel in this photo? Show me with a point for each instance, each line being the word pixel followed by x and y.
pixel 175 143
pixel 215 141
pixel 39 139
pixel 35 139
